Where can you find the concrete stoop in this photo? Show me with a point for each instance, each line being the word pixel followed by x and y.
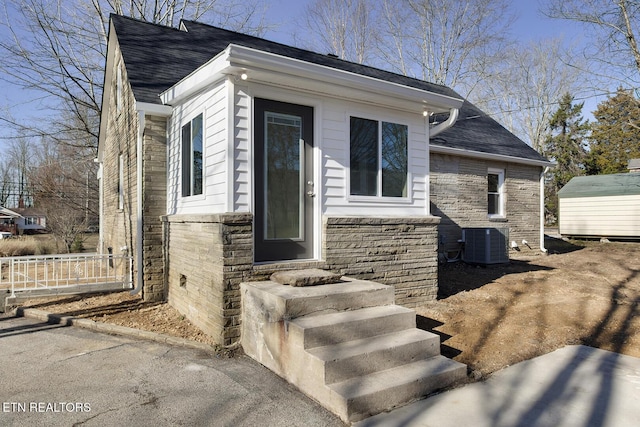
pixel 347 345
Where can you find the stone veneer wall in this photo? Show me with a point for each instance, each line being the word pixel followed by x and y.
pixel 206 259
pixel 119 224
pixel 154 193
pixel 395 251
pixel 459 197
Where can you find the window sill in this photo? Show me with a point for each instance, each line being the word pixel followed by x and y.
pixel 498 219
pixel 369 200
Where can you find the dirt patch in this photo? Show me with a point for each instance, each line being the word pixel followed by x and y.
pixel 124 309
pixel 488 317
pixel 583 292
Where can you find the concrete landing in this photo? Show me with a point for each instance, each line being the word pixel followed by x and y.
pixel 576 386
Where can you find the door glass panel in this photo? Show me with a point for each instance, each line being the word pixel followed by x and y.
pixel 284 177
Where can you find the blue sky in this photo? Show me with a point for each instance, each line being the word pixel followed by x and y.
pixel 531 25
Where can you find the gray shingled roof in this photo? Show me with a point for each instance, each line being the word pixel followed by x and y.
pixel 157 57
pixel 476 131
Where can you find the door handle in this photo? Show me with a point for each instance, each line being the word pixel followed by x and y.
pixel 311 193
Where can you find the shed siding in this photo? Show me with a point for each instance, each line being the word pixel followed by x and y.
pixel 612 216
pixel 212 104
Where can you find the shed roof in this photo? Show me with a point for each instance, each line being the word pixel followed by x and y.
pixel 620 184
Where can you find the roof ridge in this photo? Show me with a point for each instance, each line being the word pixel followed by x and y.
pixel 117 16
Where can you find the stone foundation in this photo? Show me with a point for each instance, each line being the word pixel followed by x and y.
pixel 394 251
pixel 208 256
pixel 206 259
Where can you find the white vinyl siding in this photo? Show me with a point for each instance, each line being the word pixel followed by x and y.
pixel 212 105
pixel 607 216
pixel 229 153
pixel 335 129
pixel 242 165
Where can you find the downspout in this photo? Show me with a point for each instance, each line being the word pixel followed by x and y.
pixel 453 116
pixel 542 175
pixel 139 260
pixel 100 173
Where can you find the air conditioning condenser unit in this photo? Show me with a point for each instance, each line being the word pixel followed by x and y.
pixel 485 245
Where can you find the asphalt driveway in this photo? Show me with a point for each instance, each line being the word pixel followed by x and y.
pixel 52 375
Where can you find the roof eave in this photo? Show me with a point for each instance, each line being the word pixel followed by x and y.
pixel 274 69
pixel 488 156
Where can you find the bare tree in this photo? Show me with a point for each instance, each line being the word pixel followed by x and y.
pixel 342 27
pixel 614 26
pixel 6 181
pixel 21 155
pixel 64 189
pixel 443 41
pixel 57 48
pixel 524 93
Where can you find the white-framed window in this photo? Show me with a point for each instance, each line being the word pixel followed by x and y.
pixel 378 158
pixel 121 181
pixel 495 193
pixel 192 157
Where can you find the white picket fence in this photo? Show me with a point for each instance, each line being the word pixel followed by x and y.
pixel 26 277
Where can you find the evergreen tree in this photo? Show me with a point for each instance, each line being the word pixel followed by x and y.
pixel 566 145
pixel 615 135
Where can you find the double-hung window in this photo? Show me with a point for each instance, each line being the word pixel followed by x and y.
pixel 495 193
pixel 192 170
pixel 378 158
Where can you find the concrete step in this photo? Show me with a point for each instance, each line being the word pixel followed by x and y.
pixel 361 397
pixel 333 328
pixel 287 302
pixel 364 356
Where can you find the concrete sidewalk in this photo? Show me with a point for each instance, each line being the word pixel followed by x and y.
pixel 573 386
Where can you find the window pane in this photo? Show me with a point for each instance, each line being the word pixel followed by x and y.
pixel 283 151
pixel 364 157
pixel 494 182
pixel 494 204
pixel 196 144
pixel 186 160
pixel 394 160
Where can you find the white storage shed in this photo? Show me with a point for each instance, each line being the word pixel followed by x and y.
pixel 601 206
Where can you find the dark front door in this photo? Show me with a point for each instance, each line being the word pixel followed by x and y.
pixel 283 183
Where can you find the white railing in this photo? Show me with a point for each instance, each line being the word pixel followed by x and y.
pixel 64 274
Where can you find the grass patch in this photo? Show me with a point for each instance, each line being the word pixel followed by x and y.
pixel 25 245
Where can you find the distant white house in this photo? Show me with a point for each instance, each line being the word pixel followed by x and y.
pixel 30 221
